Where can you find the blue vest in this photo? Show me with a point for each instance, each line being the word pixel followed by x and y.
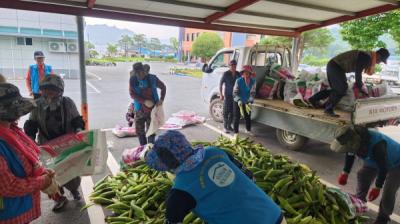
pixel 392 149
pixel 14 206
pixel 35 77
pixel 224 194
pixel 139 85
pixel 244 90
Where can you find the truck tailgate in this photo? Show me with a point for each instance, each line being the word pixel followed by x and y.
pixel 376 109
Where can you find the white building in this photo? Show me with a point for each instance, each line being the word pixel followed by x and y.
pixel 24 32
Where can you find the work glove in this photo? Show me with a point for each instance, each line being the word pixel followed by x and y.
pixel 240 103
pixel 342 180
pixel 373 193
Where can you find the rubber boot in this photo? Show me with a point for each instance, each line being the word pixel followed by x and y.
pixel 142 140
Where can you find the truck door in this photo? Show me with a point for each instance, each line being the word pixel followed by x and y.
pixel 218 65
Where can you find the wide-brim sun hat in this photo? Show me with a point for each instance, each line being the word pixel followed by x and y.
pixel 12 104
pixel 52 82
pixel 346 140
pixel 173 152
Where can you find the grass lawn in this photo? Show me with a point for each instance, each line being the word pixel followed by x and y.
pixel 197 73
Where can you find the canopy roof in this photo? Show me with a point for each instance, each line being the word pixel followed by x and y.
pixel 269 17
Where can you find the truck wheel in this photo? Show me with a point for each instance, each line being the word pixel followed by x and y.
pixel 291 140
pixel 216 110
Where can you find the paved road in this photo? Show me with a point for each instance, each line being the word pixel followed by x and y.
pixel 108 99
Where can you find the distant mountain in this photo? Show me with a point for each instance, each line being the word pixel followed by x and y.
pixel 100 35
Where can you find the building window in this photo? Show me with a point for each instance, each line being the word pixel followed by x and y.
pixel 198 34
pixel 24 41
pixel 28 41
pixel 187 37
pixel 193 36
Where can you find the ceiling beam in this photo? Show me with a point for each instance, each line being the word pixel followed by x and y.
pixel 393 2
pixel 221 22
pixel 311 6
pixel 340 19
pixel 90 3
pixel 190 4
pixel 148 18
pixel 229 10
pixel 272 16
pixel 243 12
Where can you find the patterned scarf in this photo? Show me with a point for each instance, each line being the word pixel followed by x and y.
pixel 20 142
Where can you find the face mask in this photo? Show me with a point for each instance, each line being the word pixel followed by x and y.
pixel 53 103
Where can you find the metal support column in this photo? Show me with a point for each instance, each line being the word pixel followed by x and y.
pixel 295 51
pixel 81 44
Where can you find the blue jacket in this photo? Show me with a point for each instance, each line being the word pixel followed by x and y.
pixel 244 92
pixel 14 206
pixel 224 194
pixel 138 85
pixel 392 149
pixel 35 77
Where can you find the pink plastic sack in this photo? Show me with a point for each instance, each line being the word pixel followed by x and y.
pixel 301 88
pixel 277 71
pixel 121 132
pixel 268 88
pixel 359 205
pixel 130 156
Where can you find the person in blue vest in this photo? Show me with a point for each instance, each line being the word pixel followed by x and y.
pixel 143 90
pixel 36 73
pixel 210 183
pixel 244 92
pixel 381 157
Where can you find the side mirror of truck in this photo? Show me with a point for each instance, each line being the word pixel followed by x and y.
pixel 206 68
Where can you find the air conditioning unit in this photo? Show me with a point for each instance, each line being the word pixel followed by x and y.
pixel 72 47
pixel 56 47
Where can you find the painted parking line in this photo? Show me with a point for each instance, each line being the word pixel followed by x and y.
pixel 93 87
pixel 371 206
pixel 92 74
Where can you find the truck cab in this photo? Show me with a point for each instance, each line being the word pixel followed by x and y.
pixel 260 57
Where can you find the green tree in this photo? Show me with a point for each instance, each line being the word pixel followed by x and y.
pixel 139 41
pixel 125 43
pixel 89 46
pixel 93 53
pixel 364 33
pixel 318 40
pixel 154 44
pixel 206 45
pixel 174 43
pixel 112 49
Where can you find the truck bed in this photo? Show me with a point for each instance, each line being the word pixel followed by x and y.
pixel 280 105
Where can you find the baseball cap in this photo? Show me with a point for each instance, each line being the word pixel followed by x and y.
pixel 233 62
pixel 38 54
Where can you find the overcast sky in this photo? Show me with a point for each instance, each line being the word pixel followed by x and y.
pixel 150 30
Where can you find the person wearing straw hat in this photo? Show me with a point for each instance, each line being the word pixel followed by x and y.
pixel 22 175
pixel 244 92
pixel 381 157
pixel 210 183
pixel 36 73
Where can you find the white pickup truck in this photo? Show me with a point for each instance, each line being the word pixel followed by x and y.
pixel 294 125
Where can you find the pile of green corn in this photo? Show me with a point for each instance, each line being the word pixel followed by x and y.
pixel 138 194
